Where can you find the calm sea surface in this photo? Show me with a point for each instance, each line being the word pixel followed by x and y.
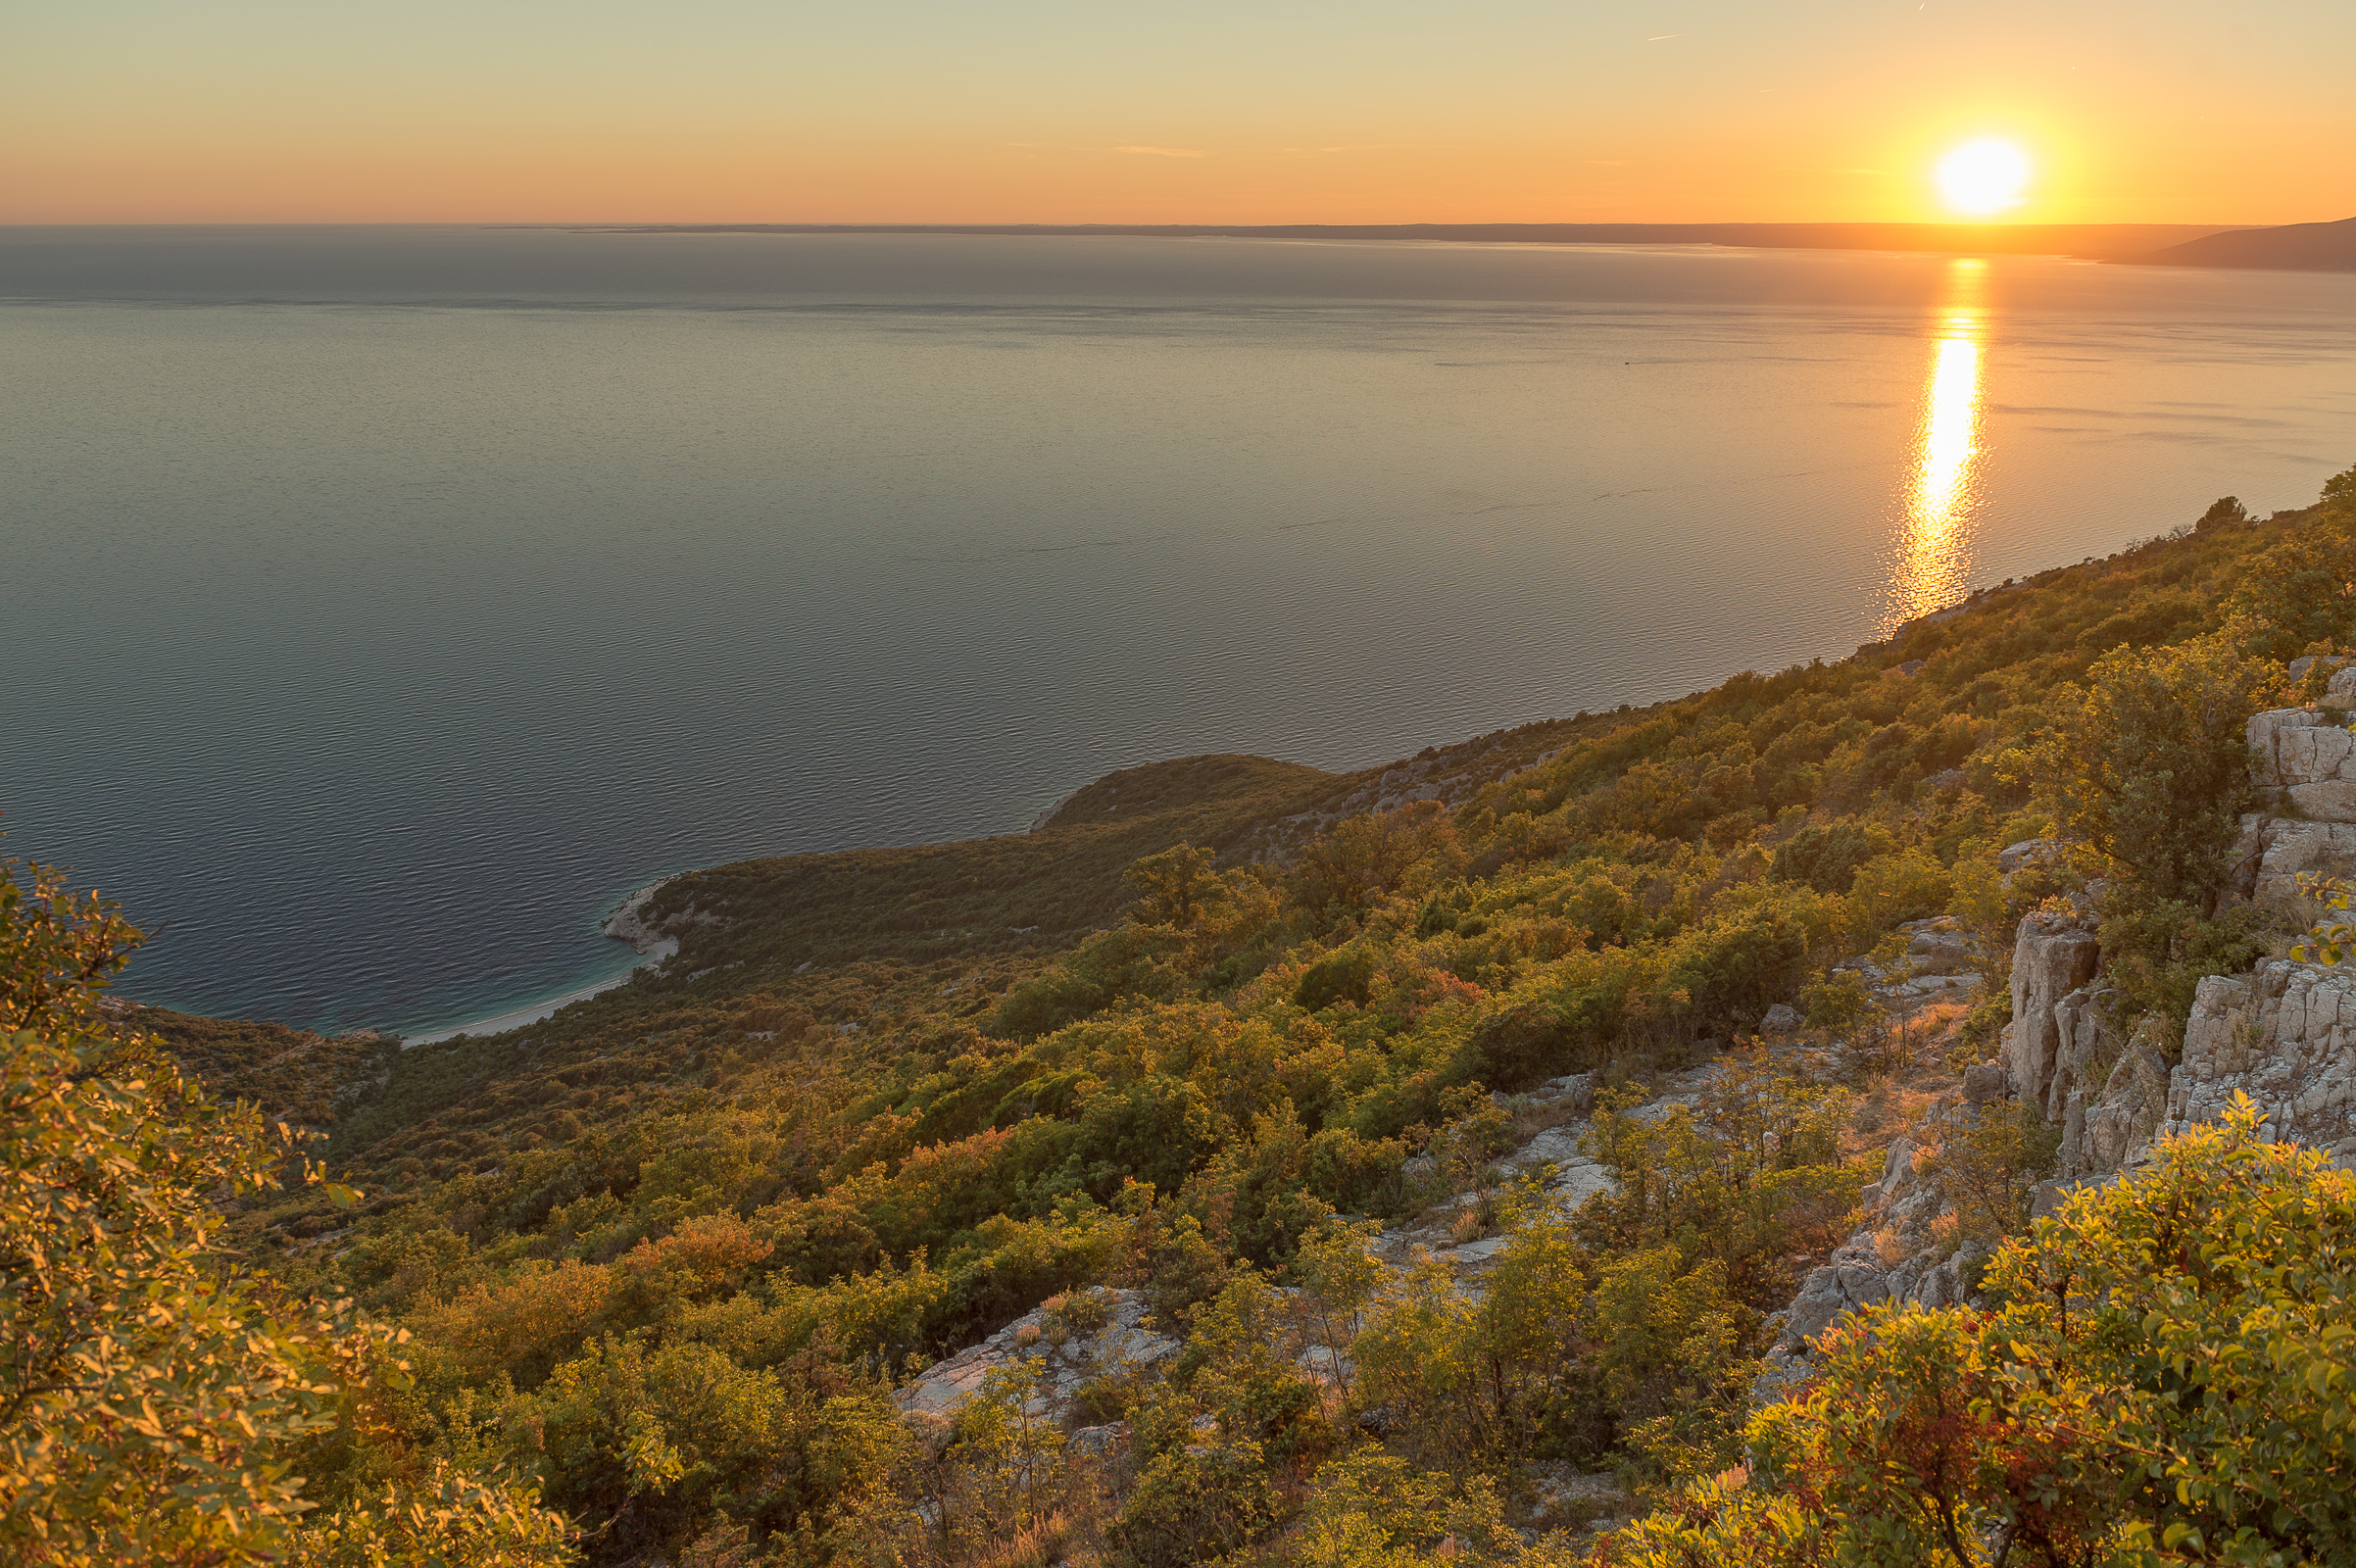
pixel 385 604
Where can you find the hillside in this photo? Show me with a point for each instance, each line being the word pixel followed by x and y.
pixel 2294 247
pixel 1261 1165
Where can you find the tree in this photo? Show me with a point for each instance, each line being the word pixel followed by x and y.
pixel 1365 858
pixel 2227 511
pixel 1175 887
pixel 2151 767
pixel 155 1395
pixel 2302 591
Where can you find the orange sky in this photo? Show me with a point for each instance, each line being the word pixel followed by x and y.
pixel 130 111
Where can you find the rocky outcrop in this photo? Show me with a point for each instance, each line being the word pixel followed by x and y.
pixel 2028 851
pixel 656 938
pixel 2283 1034
pixel 2053 957
pixel 1942 947
pixel 2131 1107
pixel 2275 853
pixel 1070 1340
pixel 2303 762
pixel 1895 1257
pixel 2303 758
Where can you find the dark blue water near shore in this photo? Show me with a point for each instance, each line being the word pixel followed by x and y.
pixel 386 604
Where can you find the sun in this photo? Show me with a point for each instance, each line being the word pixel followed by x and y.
pixel 1982 177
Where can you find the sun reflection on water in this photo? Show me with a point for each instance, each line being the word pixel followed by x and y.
pixel 1933 553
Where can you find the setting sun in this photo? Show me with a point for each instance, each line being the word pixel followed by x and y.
pixel 1982 177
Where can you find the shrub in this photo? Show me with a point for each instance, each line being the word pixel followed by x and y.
pixel 1343 976
pixel 2150 766
pixel 1827 857
pixel 2167 1380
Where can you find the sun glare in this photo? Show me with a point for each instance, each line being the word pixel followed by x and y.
pixel 1982 177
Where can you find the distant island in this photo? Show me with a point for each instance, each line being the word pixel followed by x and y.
pixel 2293 247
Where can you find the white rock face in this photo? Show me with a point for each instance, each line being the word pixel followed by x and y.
pixel 1577 1176
pixel 628 923
pixel 2283 1034
pixel 2286 849
pixel 2307 757
pixel 1122 1341
pixel 2118 1131
pixel 2013 856
pixel 1936 951
pixel 2052 957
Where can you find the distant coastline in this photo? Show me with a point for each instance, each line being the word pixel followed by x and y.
pixel 621 925
pixel 2289 248
pixel 2093 241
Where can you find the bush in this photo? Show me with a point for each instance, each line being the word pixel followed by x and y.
pixel 2167 1380
pixel 1343 976
pixel 2151 767
pixel 1827 857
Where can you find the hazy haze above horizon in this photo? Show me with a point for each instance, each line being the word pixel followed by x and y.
pixel 264 111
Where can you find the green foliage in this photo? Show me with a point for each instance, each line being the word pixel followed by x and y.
pixel 2227 511
pixel 1827 857
pixel 2150 766
pixel 1370 858
pixel 2168 1381
pixel 1371 1510
pixel 156 1396
pixel 2155 951
pixel 2302 591
pixel 2328 939
pixel 1344 976
pixel 57 948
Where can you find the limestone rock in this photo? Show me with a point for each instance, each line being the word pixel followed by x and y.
pixel 2288 850
pixel 1984 1084
pixel 1063 1361
pixel 1100 1441
pixel 1579 1088
pixel 1782 1019
pixel 2013 856
pixel 2311 759
pixel 628 923
pixel 2264 734
pixel 1939 949
pixel 2074 1135
pixel 2085 1046
pixel 1898 1171
pixel 2052 957
pixel 2285 1036
pixel 2132 1105
pixel 1851 1278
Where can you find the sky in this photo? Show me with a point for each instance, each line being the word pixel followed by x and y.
pixel 1277 111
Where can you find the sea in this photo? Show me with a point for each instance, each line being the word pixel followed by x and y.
pixel 385 604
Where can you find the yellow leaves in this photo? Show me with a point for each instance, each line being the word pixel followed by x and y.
pixel 521 1325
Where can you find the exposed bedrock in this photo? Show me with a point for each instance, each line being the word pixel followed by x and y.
pixel 2053 957
pixel 2285 1036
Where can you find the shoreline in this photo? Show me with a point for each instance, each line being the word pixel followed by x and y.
pixel 620 925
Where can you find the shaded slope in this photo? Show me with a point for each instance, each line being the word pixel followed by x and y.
pixel 2294 247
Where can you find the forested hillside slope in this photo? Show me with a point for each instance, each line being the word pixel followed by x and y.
pixel 1261 1165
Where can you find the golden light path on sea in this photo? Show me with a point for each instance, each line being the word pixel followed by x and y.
pixel 1934 552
